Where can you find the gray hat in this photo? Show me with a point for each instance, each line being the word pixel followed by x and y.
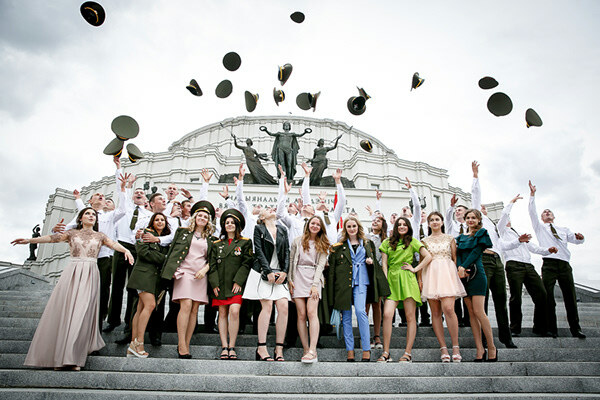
pixel 499 104
pixel 251 100
pixel 487 82
pixel 357 105
pixel 278 96
pixel 125 127
pixel 284 73
pixel 224 89
pixel 297 17
pixel 232 61
pixel 306 101
pixel 532 118
pixel 114 148
pixel 134 153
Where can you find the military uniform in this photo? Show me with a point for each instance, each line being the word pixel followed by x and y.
pixel 229 264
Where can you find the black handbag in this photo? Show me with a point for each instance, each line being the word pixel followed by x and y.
pixel 265 275
pixel 471 272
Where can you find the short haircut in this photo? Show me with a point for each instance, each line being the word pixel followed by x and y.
pixel 154 196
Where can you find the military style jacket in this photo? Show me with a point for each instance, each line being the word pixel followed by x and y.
pixel 229 264
pixel 145 275
pixel 179 249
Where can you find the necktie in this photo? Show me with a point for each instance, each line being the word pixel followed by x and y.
pixel 462 230
pixel 305 222
pixel 513 229
pixel 554 233
pixel 421 233
pixel 326 215
pixel 134 218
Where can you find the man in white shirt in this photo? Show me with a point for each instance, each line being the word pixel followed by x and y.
pixel 556 267
pixel 294 224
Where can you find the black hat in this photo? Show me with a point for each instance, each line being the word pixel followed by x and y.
pixel 532 118
pixel 416 81
pixel 297 17
pixel 251 100
pixel 194 88
pixel 356 105
pixel 499 104
pixel 93 13
pixel 125 127
pixel 487 82
pixel 362 93
pixel 284 73
pixel 224 89
pixel 232 212
pixel 114 148
pixel 306 101
pixel 278 95
pixel 366 145
pixel 203 205
pixel 134 153
pixel 232 61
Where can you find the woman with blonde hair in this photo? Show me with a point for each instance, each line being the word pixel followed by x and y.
pixel 308 257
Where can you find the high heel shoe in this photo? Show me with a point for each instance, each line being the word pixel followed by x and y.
pixel 456 357
pixel 483 358
pixel 363 359
pixel 133 351
pixel 495 358
pixel 444 357
pixel 258 356
pixel 278 358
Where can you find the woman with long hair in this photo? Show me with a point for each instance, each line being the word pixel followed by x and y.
pixel 144 278
pixel 377 235
pixel 470 247
pixel 230 260
pixel 397 252
pixel 267 281
pixel 441 284
pixel 348 282
pixel 187 263
pixel 69 327
pixel 308 257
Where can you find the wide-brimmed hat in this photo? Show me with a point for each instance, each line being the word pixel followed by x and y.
pixel 232 212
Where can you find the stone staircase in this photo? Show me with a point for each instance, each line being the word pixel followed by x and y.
pixel 562 368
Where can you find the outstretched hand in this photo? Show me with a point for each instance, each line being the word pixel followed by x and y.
pixel 306 168
pixel 475 168
pixel 525 238
pixel 241 172
pixel 225 193
pixel 517 197
pixel 407 184
pixel 286 186
pixel 20 241
pixel 60 227
pixel 378 194
pixel 76 194
pixel 453 200
pixel 281 171
pixel 206 175
pixel 532 189
pixel 337 176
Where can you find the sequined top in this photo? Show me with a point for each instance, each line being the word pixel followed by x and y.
pixel 439 246
pixel 83 242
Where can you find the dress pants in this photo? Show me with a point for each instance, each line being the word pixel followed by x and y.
pixel 121 269
pixel 558 270
pixel 359 297
pixel 496 279
pixel 105 269
pixel 519 274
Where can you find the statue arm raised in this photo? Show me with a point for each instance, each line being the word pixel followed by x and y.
pixel 264 129
pixel 337 139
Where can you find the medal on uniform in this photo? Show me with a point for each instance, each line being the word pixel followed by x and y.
pixel 237 251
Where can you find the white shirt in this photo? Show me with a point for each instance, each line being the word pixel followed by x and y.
pixel 487 223
pixel 452 226
pixel 144 220
pixel 509 241
pixel 242 207
pixel 294 224
pixel 331 228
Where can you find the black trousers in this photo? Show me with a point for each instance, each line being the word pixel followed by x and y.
pixel 121 269
pixel 519 274
pixel 210 314
pixel 558 270
pixel 496 280
pixel 105 270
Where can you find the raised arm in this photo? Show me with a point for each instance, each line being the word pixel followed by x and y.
pixel 206 176
pixel 239 193
pixel 306 184
pixel 282 213
pixel 341 203
pixel 416 218
pixel 505 217
pixel 337 139
pixel 55 238
pixel 264 129
pixel 533 215
pixel 475 188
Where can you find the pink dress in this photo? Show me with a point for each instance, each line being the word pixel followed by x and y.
pixel 440 277
pixel 305 271
pixel 185 286
pixel 69 329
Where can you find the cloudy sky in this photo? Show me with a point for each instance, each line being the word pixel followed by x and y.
pixel 62 81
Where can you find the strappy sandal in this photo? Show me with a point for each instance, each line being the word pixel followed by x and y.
pixel 445 357
pixel 224 353
pixel 363 359
pixel 133 351
pixel 406 358
pixel 376 344
pixel 456 357
pixel 310 357
pixel 259 357
pixel 384 358
pixel 234 355
pixel 278 358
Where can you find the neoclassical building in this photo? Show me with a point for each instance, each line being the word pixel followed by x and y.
pixel 212 147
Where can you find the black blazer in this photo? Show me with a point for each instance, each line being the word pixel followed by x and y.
pixel 264 247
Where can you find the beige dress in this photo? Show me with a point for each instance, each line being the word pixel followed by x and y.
pixel 69 329
pixel 440 277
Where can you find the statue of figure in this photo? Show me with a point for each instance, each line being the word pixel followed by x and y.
pixel 319 161
pixel 259 173
pixel 285 149
pixel 33 246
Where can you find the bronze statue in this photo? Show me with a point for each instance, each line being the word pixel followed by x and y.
pixel 258 172
pixel 319 161
pixel 33 246
pixel 285 149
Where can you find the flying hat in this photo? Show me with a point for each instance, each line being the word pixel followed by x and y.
pixel 134 153
pixel 284 73
pixel 487 82
pixel 204 205
pixel 499 104
pixel 357 105
pixel 114 148
pixel 366 145
pixel 224 89
pixel 306 101
pixel 362 93
pixel 532 118
pixel 125 127
pixel 251 100
pixel 278 95
pixel 232 61
pixel 416 81
pixel 194 88
pixel 93 13
pixel 232 212
pixel 297 17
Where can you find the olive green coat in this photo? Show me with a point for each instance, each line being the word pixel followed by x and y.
pixel 229 264
pixel 180 247
pixel 339 282
pixel 145 275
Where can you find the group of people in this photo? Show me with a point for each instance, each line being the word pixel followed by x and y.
pixel 295 257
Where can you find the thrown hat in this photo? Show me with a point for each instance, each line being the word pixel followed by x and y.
pixel 134 153
pixel 499 104
pixel 532 118
pixel 306 101
pixel 125 127
pixel 251 100
pixel 278 95
pixel 487 82
pixel 232 212
pixel 297 17
pixel 203 205
pixel 224 89
pixel 284 73
pixel 114 148
pixel 93 13
pixel 416 81
pixel 232 61
pixel 362 93
pixel 366 145
pixel 194 88
pixel 357 105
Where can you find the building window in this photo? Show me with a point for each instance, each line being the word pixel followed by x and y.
pixel 438 206
pixel 375 186
pixel 194 179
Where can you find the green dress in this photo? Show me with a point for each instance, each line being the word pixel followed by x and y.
pixel 403 283
pixel 468 254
